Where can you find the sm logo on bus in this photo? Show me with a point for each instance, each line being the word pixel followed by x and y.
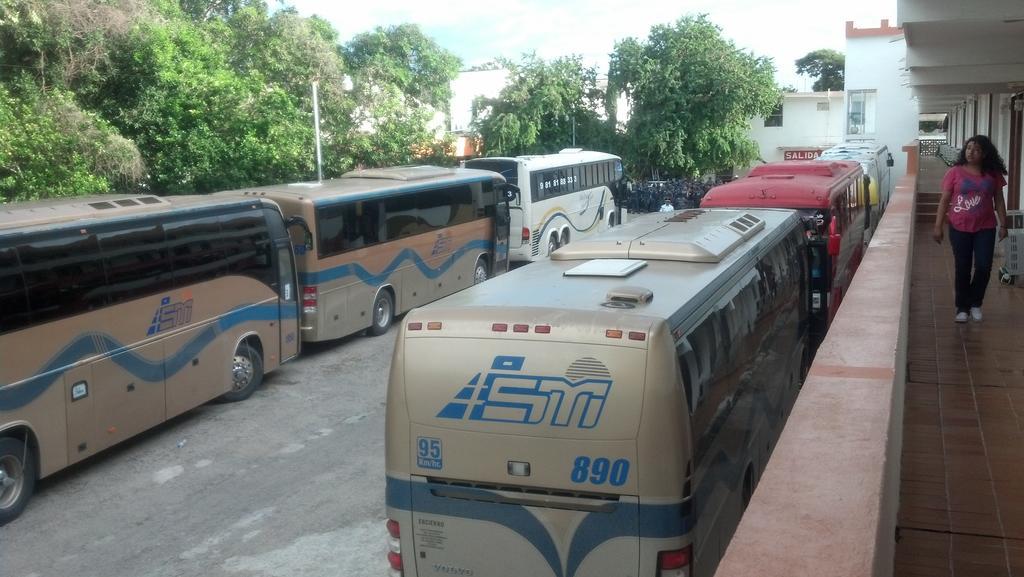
pixel 507 394
pixel 171 314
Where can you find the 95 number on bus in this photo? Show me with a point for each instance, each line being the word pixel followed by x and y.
pixel 600 471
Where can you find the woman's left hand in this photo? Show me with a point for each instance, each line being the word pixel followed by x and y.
pixel 1002 232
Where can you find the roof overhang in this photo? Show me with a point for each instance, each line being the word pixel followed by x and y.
pixel 957 49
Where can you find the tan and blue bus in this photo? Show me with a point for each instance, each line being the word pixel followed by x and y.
pixel 120 312
pixel 607 412
pixel 378 242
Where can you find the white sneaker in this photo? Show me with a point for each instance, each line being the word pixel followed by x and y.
pixel 976 314
pixel 961 317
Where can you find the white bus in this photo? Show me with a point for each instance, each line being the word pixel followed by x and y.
pixel 563 197
pixel 876 161
pixel 607 412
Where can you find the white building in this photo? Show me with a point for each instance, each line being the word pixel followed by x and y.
pixel 878 101
pixel 966 58
pixel 806 124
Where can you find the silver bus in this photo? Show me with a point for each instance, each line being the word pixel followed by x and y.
pixel 608 412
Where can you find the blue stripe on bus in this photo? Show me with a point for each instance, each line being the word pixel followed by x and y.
pixel 92 344
pixel 626 520
pixel 369 278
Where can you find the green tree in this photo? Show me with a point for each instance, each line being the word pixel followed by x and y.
pixel 826 66
pixel 201 125
pixel 290 52
pixel 691 94
pixel 542 107
pixel 402 56
pixel 49 147
pixel 401 80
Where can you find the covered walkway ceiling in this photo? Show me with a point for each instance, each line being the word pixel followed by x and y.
pixel 959 48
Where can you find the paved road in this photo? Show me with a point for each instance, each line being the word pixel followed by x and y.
pixel 287 483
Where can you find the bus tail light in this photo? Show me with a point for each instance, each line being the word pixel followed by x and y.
pixel 526 234
pixel 637 336
pixel 394 547
pixel 675 563
pixel 310 297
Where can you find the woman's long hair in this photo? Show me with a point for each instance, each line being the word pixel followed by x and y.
pixel 992 162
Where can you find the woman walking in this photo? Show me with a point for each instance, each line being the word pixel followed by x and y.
pixel 972 195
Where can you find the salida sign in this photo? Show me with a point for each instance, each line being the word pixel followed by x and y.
pixel 808 154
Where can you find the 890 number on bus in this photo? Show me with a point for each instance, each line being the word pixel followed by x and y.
pixel 600 471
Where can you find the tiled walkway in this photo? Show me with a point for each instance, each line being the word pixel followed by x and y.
pixel 962 479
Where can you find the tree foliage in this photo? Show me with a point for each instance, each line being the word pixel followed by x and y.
pixel 541 108
pixel 826 66
pixel 49 147
pixel 403 57
pixel 183 96
pixel 691 93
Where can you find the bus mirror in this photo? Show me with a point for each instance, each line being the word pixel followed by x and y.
pixel 834 241
pixel 510 191
pixel 307 235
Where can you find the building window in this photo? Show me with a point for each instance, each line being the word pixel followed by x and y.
pixel 775 119
pixel 823 107
pixel 861 112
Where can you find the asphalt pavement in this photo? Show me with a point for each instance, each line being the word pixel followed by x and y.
pixel 287 483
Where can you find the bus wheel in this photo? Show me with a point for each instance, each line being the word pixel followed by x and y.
pixel 383 313
pixel 17 478
pixel 480 271
pixel 565 238
pixel 246 374
pixel 552 244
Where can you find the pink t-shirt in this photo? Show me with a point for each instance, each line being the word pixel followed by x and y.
pixel 971 205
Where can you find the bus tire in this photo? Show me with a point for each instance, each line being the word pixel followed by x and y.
pixel 565 238
pixel 246 374
pixel 382 314
pixel 480 271
pixel 552 244
pixel 17 478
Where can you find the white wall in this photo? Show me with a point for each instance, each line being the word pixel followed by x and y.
pixel 803 126
pixel 878 63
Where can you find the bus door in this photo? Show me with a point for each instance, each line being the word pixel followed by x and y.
pixel 502 220
pixel 818 264
pixel 288 302
pixel 517 222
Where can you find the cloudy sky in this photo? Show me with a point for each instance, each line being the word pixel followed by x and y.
pixel 476 31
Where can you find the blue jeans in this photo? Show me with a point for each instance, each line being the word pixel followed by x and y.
pixel 968 246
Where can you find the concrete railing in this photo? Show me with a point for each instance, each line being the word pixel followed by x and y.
pixel 827 502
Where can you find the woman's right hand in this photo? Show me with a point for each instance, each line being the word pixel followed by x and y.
pixel 937 234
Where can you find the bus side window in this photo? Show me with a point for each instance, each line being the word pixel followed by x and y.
pixel 63 275
pixel 247 245
pixel 137 262
pixel 330 229
pixel 197 250
pixel 13 297
pixel 688 370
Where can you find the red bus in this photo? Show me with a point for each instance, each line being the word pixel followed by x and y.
pixel 833 203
